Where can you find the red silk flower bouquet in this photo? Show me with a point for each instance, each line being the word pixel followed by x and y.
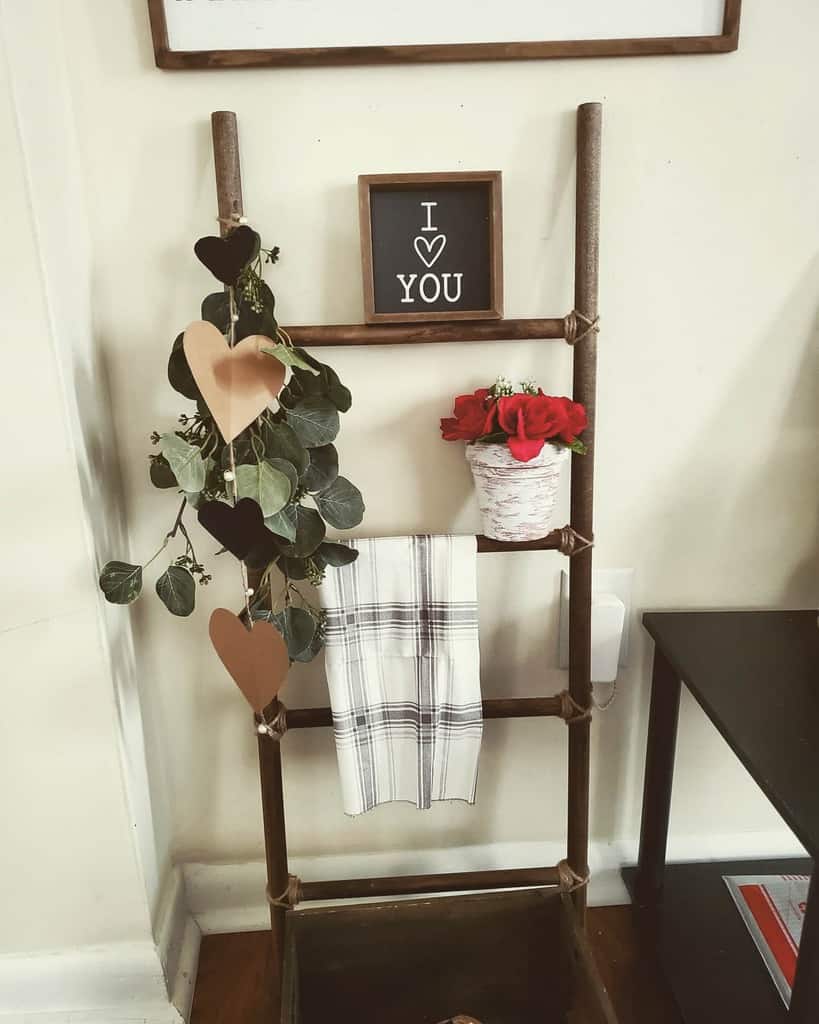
pixel 524 420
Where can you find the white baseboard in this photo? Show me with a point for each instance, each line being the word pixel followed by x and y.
pixel 123 983
pixel 231 897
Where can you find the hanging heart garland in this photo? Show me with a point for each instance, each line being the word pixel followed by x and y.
pixel 256 658
pixel 226 258
pixel 240 529
pixel 237 383
pixel 255 458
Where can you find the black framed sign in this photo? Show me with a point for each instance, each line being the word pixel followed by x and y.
pixel 432 246
pixel 281 33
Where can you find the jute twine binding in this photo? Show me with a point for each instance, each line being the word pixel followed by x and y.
pixel 577 326
pixel 235 220
pixel 275 729
pixel 572 543
pixel 570 881
pixel 570 711
pixel 291 897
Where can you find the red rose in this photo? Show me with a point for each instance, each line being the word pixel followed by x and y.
pixel 575 417
pixel 474 417
pixel 530 421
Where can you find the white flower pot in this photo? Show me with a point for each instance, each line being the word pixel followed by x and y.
pixel 516 499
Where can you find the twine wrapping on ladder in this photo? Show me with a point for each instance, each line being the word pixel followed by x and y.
pixel 570 881
pixel 290 898
pixel 570 711
pixel 276 729
pixel 573 323
pixel 572 543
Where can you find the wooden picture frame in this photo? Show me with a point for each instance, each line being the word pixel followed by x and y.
pixel 402 265
pixel 724 42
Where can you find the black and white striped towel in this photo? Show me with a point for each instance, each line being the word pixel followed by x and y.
pixel 403 668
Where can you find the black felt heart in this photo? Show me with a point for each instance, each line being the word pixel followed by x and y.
pixel 227 257
pixel 240 529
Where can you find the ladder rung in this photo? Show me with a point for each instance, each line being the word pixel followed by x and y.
pixel 420 885
pixel 339 335
pixel 510 707
pixel 551 542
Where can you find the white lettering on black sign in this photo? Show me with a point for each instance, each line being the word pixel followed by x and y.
pixel 431 249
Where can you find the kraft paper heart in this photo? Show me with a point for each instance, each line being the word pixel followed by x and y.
pixel 256 658
pixel 240 528
pixel 429 250
pixel 227 257
pixel 237 383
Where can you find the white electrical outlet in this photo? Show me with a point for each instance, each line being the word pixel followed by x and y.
pixel 604 581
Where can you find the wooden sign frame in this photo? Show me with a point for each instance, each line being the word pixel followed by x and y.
pixel 492 180
pixel 726 42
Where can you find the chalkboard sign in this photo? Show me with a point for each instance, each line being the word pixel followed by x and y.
pixel 431 246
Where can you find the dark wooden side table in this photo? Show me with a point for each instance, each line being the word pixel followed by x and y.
pixel 756 676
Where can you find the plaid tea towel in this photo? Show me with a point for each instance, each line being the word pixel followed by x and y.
pixel 403 668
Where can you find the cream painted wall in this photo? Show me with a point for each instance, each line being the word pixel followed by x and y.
pixel 69 872
pixel 708 411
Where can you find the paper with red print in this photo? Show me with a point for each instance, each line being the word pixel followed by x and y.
pixel 773 908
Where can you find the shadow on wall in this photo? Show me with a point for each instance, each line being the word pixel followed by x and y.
pixel 745 490
pixel 770 515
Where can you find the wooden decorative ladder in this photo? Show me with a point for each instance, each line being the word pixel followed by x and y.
pixel 564 884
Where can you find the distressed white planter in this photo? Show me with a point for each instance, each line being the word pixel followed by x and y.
pixel 516 499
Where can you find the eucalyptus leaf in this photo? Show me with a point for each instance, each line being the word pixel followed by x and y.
pixel 339 395
pixel 216 310
pixel 294 568
pixel 281 442
pixel 310 532
pixel 310 383
pixel 315 648
pixel 289 470
pixel 283 523
pixel 268 487
pixel 177 590
pixel 341 504
pixel 121 582
pixel 288 357
pixel 323 468
pixel 315 421
pixel 310 360
pixel 179 373
pixel 298 627
pixel 337 554
pixel 162 474
pixel 185 461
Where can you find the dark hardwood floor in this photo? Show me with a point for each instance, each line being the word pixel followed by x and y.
pixel 231 986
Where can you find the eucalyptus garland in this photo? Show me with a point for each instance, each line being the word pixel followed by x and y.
pixel 285 462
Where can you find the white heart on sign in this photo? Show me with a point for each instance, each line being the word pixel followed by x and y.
pixel 431 257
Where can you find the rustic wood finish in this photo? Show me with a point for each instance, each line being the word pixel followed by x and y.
pixel 492 180
pixel 286 926
pixel 586 262
pixel 347 335
pixel 510 707
pixel 375 963
pixel 233 982
pixel 166 58
pixel 420 885
pixel 229 198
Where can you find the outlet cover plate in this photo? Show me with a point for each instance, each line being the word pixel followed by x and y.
pixel 604 581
